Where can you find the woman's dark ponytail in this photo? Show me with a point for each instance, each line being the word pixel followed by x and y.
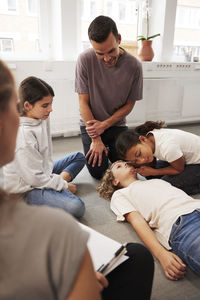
pixel 149 126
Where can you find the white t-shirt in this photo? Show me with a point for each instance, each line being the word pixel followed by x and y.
pixel 171 144
pixel 157 201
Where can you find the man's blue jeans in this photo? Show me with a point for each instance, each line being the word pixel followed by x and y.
pixel 73 164
pixel 185 239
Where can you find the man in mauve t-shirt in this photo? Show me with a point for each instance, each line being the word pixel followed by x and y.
pixel 108 82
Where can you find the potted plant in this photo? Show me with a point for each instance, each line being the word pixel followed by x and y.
pixel 146 53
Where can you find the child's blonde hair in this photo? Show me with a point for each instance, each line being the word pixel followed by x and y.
pixel 106 188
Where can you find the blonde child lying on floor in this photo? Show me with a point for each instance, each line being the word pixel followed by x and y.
pixel 166 219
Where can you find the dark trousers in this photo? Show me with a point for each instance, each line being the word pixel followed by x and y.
pixel 188 180
pixel 108 138
pixel 133 278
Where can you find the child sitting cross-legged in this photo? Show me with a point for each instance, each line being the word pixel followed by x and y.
pixel 33 174
pixel 166 219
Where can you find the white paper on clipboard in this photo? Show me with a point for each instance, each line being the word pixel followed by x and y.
pixel 102 249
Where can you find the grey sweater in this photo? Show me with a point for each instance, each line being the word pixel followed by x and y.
pixel 33 164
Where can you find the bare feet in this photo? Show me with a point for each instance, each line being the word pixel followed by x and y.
pixel 72 188
pixel 66 176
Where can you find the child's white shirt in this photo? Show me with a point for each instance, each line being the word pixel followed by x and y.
pixel 157 201
pixel 171 144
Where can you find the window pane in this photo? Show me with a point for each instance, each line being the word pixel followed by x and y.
pixel 122 12
pixel 12 6
pixel 6 45
pixel 33 7
pixel 23 29
pixel 187 30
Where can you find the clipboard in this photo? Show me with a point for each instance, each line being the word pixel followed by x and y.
pixel 102 249
pixel 106 267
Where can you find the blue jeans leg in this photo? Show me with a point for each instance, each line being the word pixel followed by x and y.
pixel 72 163
pixel 64 200
pixel 185 239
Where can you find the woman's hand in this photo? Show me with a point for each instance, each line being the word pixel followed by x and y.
pixel 102 281
pixel 172 265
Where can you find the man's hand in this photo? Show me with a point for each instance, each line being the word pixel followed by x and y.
pixel 95 152
pixel 102 281
pixel 95 128
pixel 172 265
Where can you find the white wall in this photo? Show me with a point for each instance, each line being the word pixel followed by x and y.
pixel 171 93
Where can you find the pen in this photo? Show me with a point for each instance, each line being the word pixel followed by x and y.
pixel 105 267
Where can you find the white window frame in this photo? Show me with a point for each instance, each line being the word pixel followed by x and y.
pixel 1 45
pixel 4 9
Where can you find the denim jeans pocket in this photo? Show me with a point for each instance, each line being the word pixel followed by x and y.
pixel 175 228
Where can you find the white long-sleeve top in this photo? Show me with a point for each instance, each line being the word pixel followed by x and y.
pixel 33 164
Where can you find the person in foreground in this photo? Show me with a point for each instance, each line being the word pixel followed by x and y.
pixel 176 154
pixel 108 82
pixel 43 250
pixel 165 218
pixel 33 174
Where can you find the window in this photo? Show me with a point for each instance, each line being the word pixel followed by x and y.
pixel 8 6
pixel 124 13
pixel 21 30
pixel 92 9
pixel 6 45
pixel 32 7
pixel 187 30
pixel 12 5
pixel 109 8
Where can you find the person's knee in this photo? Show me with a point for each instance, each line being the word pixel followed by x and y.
pixel 140 252
pixel 81 157
pixel 77 209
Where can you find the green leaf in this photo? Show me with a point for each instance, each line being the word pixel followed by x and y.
pixel 153 36
pixel 140 38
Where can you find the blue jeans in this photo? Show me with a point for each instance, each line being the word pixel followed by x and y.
pixel 64 199
pixel 185 239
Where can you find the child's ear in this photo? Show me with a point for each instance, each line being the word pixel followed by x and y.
pixel 142 138
pixel 115 182
pixel 27 106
